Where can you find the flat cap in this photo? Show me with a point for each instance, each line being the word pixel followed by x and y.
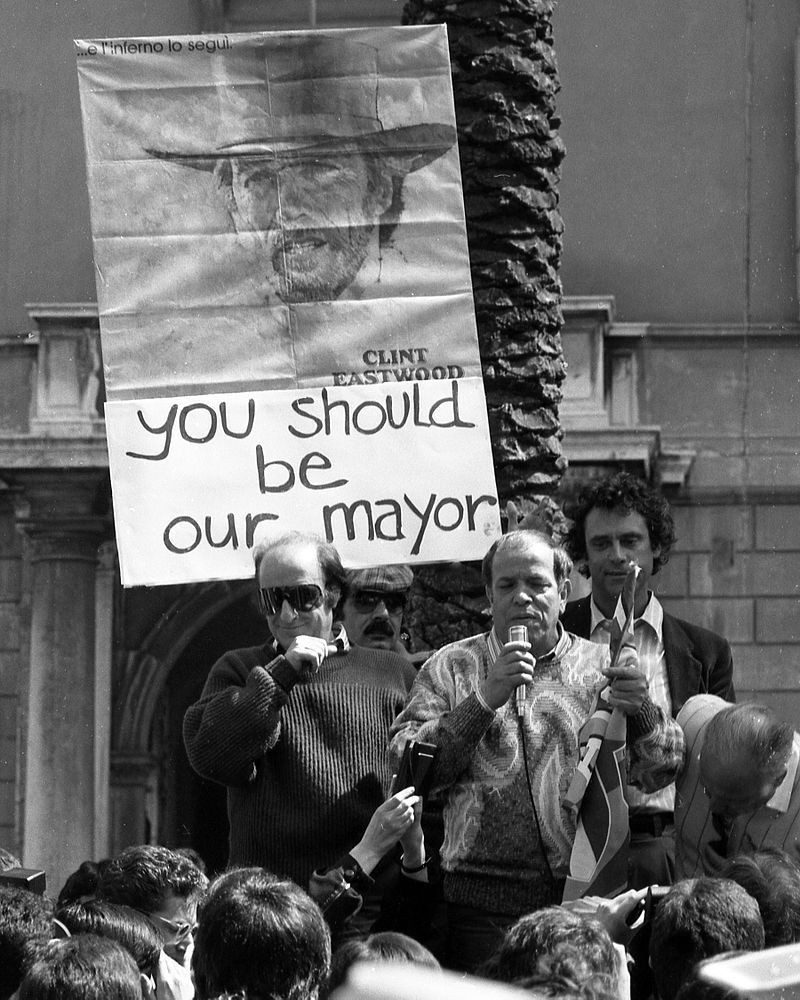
pixel 386 578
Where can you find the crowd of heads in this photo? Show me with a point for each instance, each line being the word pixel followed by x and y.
pixel 261 936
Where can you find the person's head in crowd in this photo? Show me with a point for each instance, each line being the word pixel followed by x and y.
pixel 82 883
pixel 372 606
pixel 409 981
pixel 526 577
pixel 163 885
pixel 696 919
pixel 133 930
pixel 194 856
pixel 550 984
pixel 772 878
pixel 8 860
pixel 260 935
pixel 26 924
pixel 386 946
pixel 616 521
pixel 300 579
pixel 85 967
pixel 744 757
pixel 557 942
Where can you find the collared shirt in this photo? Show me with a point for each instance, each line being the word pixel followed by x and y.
pixel 649 639
pixel 782 795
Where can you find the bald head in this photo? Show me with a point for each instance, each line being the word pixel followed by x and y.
pixel 744 758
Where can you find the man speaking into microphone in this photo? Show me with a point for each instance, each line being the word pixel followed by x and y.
pixel 297 728
pixel 506 759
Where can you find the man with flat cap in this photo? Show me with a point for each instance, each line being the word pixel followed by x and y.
pixel 373 605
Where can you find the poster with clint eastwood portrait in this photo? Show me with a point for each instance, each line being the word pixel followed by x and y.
pixel 285 303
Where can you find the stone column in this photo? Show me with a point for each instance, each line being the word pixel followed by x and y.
pixel 58 515
pixel 105 580
pixel 134 806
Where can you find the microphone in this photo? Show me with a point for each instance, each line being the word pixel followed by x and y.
pixel 518 633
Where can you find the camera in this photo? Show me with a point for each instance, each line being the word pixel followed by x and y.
pixel 415 767
pixel 32 879
pixel 648 905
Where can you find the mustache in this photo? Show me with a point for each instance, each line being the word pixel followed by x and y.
pixel 336 237
pixel 379 626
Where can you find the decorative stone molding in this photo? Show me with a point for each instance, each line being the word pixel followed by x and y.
pixel 600 410
pixel 63 512
pixel 70 388
pixel 673 468
pixel 138 686
pixel 586 322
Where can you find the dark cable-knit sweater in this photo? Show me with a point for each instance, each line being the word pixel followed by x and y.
pixel 305 761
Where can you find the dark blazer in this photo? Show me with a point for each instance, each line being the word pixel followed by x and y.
pixel 698 660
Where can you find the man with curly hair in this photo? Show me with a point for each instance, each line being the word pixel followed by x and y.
pixel 615 522
pixel 166 887
pixel 26 924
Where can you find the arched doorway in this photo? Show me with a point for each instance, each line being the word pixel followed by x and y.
pixel 193 812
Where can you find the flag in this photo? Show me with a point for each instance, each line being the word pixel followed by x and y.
pixel 599 859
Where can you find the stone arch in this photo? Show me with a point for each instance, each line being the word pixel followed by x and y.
pixel 140 682
pixel 143 672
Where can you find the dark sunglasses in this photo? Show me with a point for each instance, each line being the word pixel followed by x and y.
pixel 304 597
pixel 367 600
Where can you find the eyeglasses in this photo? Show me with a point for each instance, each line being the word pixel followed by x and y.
pixel 367 600
pixel 179 928
pixel 304 597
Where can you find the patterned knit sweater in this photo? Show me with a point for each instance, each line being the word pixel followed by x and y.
pixel 492 856
pixel 305 761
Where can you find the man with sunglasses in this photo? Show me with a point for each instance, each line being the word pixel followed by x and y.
pixel 373 605
pixel 297 728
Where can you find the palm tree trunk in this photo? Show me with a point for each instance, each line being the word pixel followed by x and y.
pixel 505 81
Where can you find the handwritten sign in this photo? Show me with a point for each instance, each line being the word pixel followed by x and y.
pixel 285 298
pixel 205 476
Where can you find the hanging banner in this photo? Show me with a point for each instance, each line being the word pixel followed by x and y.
pixel 279 240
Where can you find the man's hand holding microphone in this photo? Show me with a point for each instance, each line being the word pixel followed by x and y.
pixel 511 671
pixel 306 653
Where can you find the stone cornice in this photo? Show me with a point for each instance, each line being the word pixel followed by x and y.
pixel 77 311
pixel 599 306
pixel 698 332
pixel 27 451
pixel 50 501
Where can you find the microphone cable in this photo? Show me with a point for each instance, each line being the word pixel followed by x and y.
pixel 532 797
pixel 519 633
